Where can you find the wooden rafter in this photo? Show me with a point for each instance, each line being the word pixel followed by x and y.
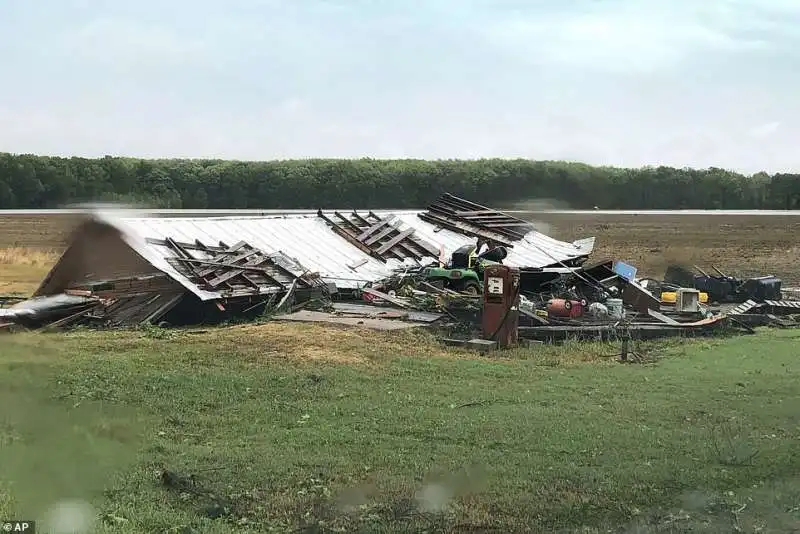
pixel 380 237
pixel 236 270
pixel 472 219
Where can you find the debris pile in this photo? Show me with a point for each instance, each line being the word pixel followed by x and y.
pixel 600 301
pixel 244 282
pixel 381 270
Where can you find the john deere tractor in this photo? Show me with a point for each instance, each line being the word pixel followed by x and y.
pixel 464 271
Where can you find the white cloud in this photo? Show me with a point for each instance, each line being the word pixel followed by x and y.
pixel 766 129
pixel 626 36
pixel 120 41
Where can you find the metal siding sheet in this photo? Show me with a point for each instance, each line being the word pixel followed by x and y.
pixel 306 239
pixel 535 250
pixel 309 240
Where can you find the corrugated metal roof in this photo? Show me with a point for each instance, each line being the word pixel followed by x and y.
pixel 536 250
pixel 310 241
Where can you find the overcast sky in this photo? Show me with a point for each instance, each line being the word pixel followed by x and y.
pixel 621 82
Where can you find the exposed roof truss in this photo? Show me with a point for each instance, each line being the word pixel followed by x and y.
pixel 380 237
pixel 236 270
pixel 472 219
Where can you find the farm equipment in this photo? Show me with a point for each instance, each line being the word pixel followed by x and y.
pixel 724 288
pixel 464 271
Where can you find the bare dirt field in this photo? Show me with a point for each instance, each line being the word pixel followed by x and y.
pixel 738 245
pixel 743 245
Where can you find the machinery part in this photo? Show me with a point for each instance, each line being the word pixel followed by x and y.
pixel 669 297
pixel 471 287
pixel 464 271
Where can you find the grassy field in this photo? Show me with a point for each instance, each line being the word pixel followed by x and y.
pixel 312 429
pixel 305 428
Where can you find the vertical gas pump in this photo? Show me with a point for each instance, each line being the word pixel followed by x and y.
pixel 500 317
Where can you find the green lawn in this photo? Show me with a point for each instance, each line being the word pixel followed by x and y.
pixel 287 432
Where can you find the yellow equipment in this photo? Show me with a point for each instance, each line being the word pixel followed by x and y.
pixel 669 297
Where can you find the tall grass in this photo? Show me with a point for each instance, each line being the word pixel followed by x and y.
pixel 32 257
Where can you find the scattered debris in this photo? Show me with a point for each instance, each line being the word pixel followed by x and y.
pixel 386 271
pixel 723 288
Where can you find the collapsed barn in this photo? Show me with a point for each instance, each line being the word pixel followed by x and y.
pixel 124 271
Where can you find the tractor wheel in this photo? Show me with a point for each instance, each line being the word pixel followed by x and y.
pixel 471 288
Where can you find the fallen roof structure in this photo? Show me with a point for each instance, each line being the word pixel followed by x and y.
pixel 348 250
pixel 143 267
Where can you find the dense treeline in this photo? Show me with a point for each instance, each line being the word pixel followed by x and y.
pixel 28 181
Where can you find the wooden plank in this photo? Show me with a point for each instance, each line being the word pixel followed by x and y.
pixel 256 283
pixel 386 231
pixel 396 252
pixel 276 259
pixel 347 236
pixel 224 277
pixel 222 261
pixel 66 321
pixel 238 246
pixel 383 296
pixel 394 241
pixel 185 246
pixel 415 247
pixel 356 229
pixel 233 273
pixel 217 266
pixel 374 228
pixel 425 246
pixel 465 228
pixel 476 212
pixel 165 307
pixel 237 270
pixel 179 249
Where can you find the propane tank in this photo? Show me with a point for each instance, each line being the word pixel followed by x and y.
pixel 564 308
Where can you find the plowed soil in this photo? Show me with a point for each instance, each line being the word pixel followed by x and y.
pixel 737 245
pixel 742 245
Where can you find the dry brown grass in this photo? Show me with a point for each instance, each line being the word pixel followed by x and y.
pixel 22 269
pixel 31 257
pixel 314 343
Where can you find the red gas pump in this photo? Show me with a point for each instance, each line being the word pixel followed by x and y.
pixel 500 317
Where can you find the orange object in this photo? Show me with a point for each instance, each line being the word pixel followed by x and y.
pixel 564 308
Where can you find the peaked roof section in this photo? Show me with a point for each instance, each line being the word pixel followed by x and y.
pixel 312 242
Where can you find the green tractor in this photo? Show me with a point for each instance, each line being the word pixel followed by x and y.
pixel 464 271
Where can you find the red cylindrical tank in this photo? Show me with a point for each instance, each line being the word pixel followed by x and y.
pixel 564 308
pixel 559 308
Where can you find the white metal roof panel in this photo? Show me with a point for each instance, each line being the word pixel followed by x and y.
pixel 535 250
pixel 309 240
